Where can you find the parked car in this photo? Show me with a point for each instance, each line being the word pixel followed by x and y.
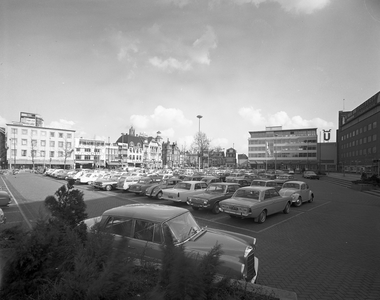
pixel 193 178
pixel 181 191
pixel 145 227
pixel 211 179
pixel 126 181
pixel 298 190
pixel 139 188
pixel 107 183
pixel 156 190
pixel 256 202
pixel 3 218
pixel 267 182
pixel 211 197
pixel 5 198
pixel 89 178
pixel 240 181
pixel 310 175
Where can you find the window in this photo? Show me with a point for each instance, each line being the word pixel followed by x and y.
pixel 23 152
pixel 69 135
pixel 369 126
pixel 68 145
pixel 78 157
pixel 51 134
pixel 51 153
pixel 52 143
pixel 60 153
pixel 60 135
pixel 374 125
pixel 43 133
pixel 34 143
pixel 24 131
pixel 42 153
pixel 24 142
pixel 43 143
pixel 87 157
pixel 119 226
pixel 14 131
pixel 34 153
pixel 374 137
pixel 87 150
pixel 143 230
pixel 34 132
pixel 14 152
pixel 60 144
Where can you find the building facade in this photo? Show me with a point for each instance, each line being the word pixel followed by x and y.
pixel 231 158
pixel 358 145
pixel 31 146
pixel 275 148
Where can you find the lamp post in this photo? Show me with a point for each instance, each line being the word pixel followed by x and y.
pixel 122 150
pixel 274 153
pixel 200 142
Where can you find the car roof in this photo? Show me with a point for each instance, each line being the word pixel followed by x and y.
pixel 295 181
pixel 151 212
pixel 258 188
pixel 263 180
pixel 224 183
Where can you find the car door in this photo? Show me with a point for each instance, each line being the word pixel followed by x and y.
pixel 304 192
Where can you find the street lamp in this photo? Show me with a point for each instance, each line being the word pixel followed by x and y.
pixel 122 150
pixel 200 141
pixel 274 153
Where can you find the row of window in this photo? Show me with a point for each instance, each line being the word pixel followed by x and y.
pixel 284 133
pixel 283 155
pixel 283 148
pixel 367 139
pixel 37 154
pixel 366 151
pixel 33 132
pixel 356 132
pixel 33 143
pixel 281 141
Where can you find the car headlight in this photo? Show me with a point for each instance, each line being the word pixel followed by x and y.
pixel 294 196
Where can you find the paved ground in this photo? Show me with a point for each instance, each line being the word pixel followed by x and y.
pixel 328 249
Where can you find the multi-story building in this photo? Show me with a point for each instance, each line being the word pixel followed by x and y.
pixel 170 155
pixel 3 150
pixel 231 158
pixel 89 153
pixel 29 146
pixel 358 145
pixel 217 158
pixel 276 148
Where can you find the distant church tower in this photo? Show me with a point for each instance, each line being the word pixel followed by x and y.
pixel 132 131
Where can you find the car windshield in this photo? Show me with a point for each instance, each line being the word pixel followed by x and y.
pixel 290 186
pixel 183 227
pixel 258 183
pixel 144 180
pixel 183 186
pixel 248 194
pixel 216 188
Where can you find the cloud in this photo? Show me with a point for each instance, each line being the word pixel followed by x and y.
pixel 61 124
pixel 179 3
pixel 281 118
pixel 183 57
pixel 162 119
pixel 294 6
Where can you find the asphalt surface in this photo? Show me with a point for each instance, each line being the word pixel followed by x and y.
pixel 328 249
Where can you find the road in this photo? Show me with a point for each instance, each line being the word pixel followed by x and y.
pixel 328 249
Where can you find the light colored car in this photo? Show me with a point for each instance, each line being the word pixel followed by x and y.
pixel 214 193
pixel 126 181
pixel 298 190
pixel 256 202
pixel 3 218
pixel 145 227
pixel 183 190
pixel 89 178
pixel 108 182
pixel 5 198
pixel 310 175
pixel 156 190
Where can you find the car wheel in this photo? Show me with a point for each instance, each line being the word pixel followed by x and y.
pixel 287 208
pixel 195 208
pixel 298 203
pixel 215 208
pixel 159 195
pixel 262 217
pixel 108 187
pixel 312 199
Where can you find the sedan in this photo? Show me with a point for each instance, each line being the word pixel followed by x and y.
pixel 256 202
pixel 298 190
pixel 141 186
pixel 214 193
pixel 310 175
pixel 183 190
pixel 145 227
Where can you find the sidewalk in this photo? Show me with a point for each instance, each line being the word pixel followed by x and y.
pixel 345 176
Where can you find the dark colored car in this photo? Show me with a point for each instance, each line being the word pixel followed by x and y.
pixel 214 193
pixel 145 226
pixel 140 187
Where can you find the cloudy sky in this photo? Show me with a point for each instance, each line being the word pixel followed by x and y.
pixel 102 66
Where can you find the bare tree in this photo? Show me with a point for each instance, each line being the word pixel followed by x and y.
pixel 201 144
pixel 67 151
pixel 34 151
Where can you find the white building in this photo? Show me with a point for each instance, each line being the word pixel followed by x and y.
pixel 30 146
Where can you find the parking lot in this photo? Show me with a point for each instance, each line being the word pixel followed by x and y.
pixel 327 249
